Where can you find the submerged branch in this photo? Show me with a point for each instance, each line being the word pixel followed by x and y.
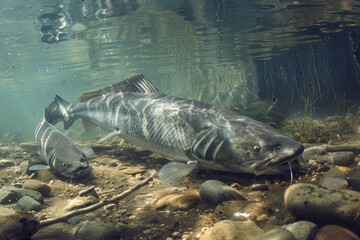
pixel 95 206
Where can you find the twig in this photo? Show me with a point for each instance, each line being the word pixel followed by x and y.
pixel 95 206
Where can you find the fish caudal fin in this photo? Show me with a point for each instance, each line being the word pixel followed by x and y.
pixel 58 111
pixel 174 171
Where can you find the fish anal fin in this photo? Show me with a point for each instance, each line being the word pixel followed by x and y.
pixel 88 125
pixel 136 84
pixel 172 172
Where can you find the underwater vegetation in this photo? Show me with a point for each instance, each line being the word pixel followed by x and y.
pixel 304 126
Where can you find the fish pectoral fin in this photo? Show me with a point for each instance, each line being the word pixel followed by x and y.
pixel 38 167
pixel 107 137
pixel 174 171
pixel 88 151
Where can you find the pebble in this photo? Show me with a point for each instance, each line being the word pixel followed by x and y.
pixel 354 180
pixel 334 232
pixel 323 206
pixel 278 234
pixel 214 191
pixel 181 201
pixel 242 209
pixel 98 230
pixel 24 166
pixel 17 225
pixel 312 152
pixel 26 203
pixel 37 185
pixel 227 230
pixel 8 197
pixel 335 172
pixel 4 163
pixel 79 202
pixel 334 183
pixel 25 192
pixel 302 230
pixel 345 158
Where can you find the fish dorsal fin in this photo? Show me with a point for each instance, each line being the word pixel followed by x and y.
pixel 136 84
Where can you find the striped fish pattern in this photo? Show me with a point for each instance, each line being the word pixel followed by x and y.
pixel 191 133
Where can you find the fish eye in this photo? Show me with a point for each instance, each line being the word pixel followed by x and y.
pixel 256 148
pixel 278 147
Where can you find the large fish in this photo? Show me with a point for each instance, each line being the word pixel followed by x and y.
pixel 191 133
pixel 60 153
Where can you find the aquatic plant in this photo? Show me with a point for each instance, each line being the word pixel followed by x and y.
pixel 262 111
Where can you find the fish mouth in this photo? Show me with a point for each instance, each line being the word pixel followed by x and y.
pixel 270 165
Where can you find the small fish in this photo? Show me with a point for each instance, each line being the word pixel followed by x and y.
pixel 191 133
pixel 59 153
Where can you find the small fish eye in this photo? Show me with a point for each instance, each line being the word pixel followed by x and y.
pixel 256 148
pixel 278 147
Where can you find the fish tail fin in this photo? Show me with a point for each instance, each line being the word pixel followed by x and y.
pixel 58 111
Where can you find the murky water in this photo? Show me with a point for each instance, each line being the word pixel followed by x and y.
pixel 220 52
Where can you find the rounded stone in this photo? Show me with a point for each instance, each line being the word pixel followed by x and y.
pixel 278 234
pixel 179 201
pixel 37 185
pixel 354 180
pixel 302 230
pixel 214 191
pixel 80 202
pixel 333 183
pixel 312 152
pixel 227 229
pixel 26 203
pixel 8 197
pixel 98 230
pixel 17 225
pixel 345 158
pixel 323 206
pixel 334 232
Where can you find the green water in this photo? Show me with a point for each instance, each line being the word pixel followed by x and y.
pixel 221 52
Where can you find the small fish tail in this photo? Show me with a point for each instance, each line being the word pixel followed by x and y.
pixel 58 111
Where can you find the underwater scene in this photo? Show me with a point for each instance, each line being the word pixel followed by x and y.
pixel 180 119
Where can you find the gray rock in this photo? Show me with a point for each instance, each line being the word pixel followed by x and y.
pixel 333 183
pixel 25 192
pixel 242 209
pixel 216 192
pixel 37 185
pixel 323 206
pixel 26 203
pixel 354 180
pixel 228 230
pixel 98 230
pixel 278 234
pixel 4 163
pixel 344 158
pixel 335 172
pixel 302 230
pixel 16 225
pixel 312 152
pixel 24 166
pixel 8 197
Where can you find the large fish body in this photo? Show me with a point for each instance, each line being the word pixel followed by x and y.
pixel 60 153
pixel 189 132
